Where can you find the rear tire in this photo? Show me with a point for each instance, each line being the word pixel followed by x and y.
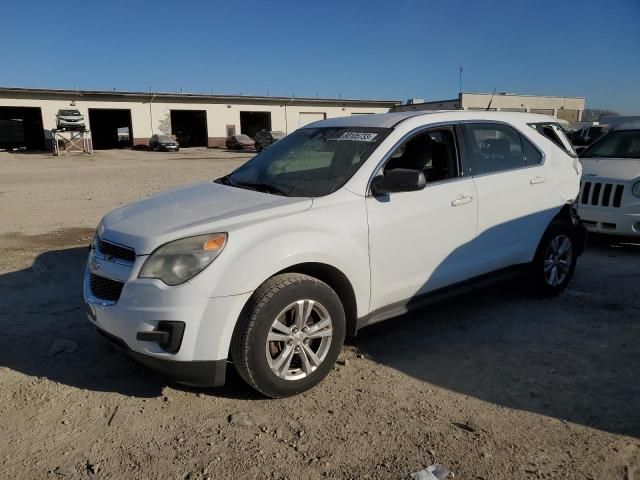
pixel 555 259
pixel 289 335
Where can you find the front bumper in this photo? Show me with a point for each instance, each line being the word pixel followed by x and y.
pixel 145 304
pixel 610 221
pixel 71 126
pixel 204 373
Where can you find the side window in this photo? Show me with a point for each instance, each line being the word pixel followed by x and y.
pixel 496 148
pixel 555 133
pixel 433 152
pixel 532 155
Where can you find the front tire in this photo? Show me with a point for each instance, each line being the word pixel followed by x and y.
pixel 289 335
pixel 555 260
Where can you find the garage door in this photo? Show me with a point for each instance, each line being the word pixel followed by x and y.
pixel 21 127
pixel 110 128
pixel 306 118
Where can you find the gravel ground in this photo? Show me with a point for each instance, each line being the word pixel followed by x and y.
pixel 494 385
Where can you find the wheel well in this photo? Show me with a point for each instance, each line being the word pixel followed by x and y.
pixel 338 281
pixel 565 213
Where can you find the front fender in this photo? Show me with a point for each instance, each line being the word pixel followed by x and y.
pixel 256 252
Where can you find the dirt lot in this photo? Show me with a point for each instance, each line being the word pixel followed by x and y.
pixel 494 385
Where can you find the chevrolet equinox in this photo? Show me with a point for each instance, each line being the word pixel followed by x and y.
pixel 341 224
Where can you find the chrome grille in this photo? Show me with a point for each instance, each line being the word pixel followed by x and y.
pixel 105 288
pixel 601 194
pixel 117 252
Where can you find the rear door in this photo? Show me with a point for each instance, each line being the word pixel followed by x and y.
pixel 515 203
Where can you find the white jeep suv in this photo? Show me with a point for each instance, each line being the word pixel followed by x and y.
pixel 610 194
pixel 341 224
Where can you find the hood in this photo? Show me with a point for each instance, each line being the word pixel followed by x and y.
pixel 192 210
pixel 614 168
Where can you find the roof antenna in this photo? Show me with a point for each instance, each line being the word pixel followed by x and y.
pixel 492 95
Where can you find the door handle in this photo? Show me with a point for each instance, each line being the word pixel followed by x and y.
pixel 536 180
pixel 462 200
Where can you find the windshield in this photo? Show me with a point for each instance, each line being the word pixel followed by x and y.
pixel 311 162
pixel 165 138
pixel 617 144
pixel 70 113
pixel 242 138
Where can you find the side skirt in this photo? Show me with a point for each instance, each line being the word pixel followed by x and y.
pixel 444 293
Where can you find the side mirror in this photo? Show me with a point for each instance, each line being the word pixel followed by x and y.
pixel 398 180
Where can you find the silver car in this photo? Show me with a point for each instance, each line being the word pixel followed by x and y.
pixel 70 119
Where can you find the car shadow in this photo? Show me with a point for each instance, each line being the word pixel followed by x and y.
pixel 44 333
pixel 573 357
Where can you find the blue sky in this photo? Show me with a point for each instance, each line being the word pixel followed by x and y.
pixel 359 49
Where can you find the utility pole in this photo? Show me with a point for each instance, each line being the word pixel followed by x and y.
pixel 460 79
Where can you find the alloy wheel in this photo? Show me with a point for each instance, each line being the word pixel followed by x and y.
pixel 557 260
pixel 299 339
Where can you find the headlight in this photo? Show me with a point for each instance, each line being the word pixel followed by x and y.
pixel 636 189
pixel 178 261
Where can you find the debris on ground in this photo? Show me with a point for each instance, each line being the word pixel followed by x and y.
pixel 63 471
pixel 241 419
pixel 468 426
pixel 433 472
pixel 61 345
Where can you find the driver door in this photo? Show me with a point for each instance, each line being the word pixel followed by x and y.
pixel 420 241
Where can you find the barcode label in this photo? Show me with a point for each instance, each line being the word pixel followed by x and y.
pixel 358 137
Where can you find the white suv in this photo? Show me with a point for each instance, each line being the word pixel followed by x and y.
pixel 610 194
pixel 70 119
pixel 341 224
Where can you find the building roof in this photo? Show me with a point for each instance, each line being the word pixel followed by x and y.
pixel 190 97
pixel 509 94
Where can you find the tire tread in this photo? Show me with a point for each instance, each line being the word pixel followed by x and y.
pixel 241 343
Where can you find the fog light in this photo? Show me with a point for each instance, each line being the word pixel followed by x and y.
pixel 167 335
pixel 636 227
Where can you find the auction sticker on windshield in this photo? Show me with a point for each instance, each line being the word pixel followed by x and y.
pixel 358 137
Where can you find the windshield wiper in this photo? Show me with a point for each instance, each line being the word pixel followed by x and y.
pixel 257 186
pixel 260 187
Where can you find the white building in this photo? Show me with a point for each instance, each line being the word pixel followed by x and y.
pixel 197 120
pixel 564 108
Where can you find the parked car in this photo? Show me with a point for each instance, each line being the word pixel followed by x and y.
pixel 70 119
pixel 610 188
pixel 348 222
pixel 266 138
pixel 588 134
pixel 164 143
pixel 239 142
